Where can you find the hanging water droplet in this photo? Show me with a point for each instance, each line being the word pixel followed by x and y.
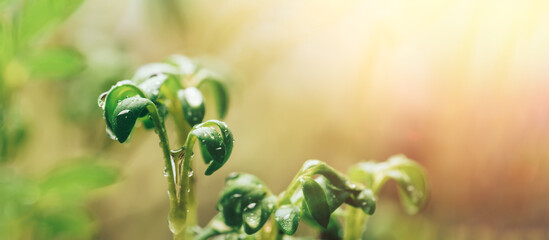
pixel 190 173
pixel 101 100
pixel 166 172
pixel 178 154
pixel 111 134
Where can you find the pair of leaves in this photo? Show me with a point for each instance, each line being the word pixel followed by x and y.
pixel 216 147
pixel 409 175
pixel 245 201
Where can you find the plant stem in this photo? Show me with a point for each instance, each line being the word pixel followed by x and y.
pixel 355 223
pixel 177 215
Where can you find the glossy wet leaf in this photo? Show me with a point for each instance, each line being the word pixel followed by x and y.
pixel 334 195
pixel 245 199
pixel 255 215
pixel 55 63
pixel 215 147
pixel 125 115
pixel 209 82
pixel 123 104
pixel 192 104
pixel 364 200
pixel 287 218
pixel 316 201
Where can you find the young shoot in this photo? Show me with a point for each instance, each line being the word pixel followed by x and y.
pixel 173 88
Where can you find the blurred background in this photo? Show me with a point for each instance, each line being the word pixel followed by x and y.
pixel 460 86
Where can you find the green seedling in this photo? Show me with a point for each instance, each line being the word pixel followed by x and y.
pixel 173 88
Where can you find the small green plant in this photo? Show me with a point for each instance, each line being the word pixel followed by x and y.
pixel 315 195
pixel 173 88
pixel 247 208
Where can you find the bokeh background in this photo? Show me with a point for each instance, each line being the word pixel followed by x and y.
pixel 460 86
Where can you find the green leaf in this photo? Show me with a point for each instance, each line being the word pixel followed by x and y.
pixel 364 200
pixel 242 201
pixel 78 178
pixel 256 216
pixel 192 103
pixel 125 115
pixel 149 70
pixel 412 182
pixel 36 16
pixel 316 201
pixel 287 218
pixel 55 63
pixel 123 104
pixel 215 147
pixel 210 82
pixel 334 195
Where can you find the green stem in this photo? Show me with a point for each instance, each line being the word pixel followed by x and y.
pixel 177 215
pixel 355 223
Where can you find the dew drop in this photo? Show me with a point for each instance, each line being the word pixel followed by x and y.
pixel 236 195
pixel 101 100
pixel 111 134
pixel 251 205
pixel 124 112
pixel 190 173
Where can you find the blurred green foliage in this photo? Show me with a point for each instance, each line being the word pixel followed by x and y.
pixel 52 206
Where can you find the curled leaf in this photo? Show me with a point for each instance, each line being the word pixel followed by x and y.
pixel 215 147
pixel 246 201
pixel 412 182
pixel 256 216
pixel 123 104
pixel 316 201
pixel 364 200
pixel 192 103
pixel 287 218
pixel 210 82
